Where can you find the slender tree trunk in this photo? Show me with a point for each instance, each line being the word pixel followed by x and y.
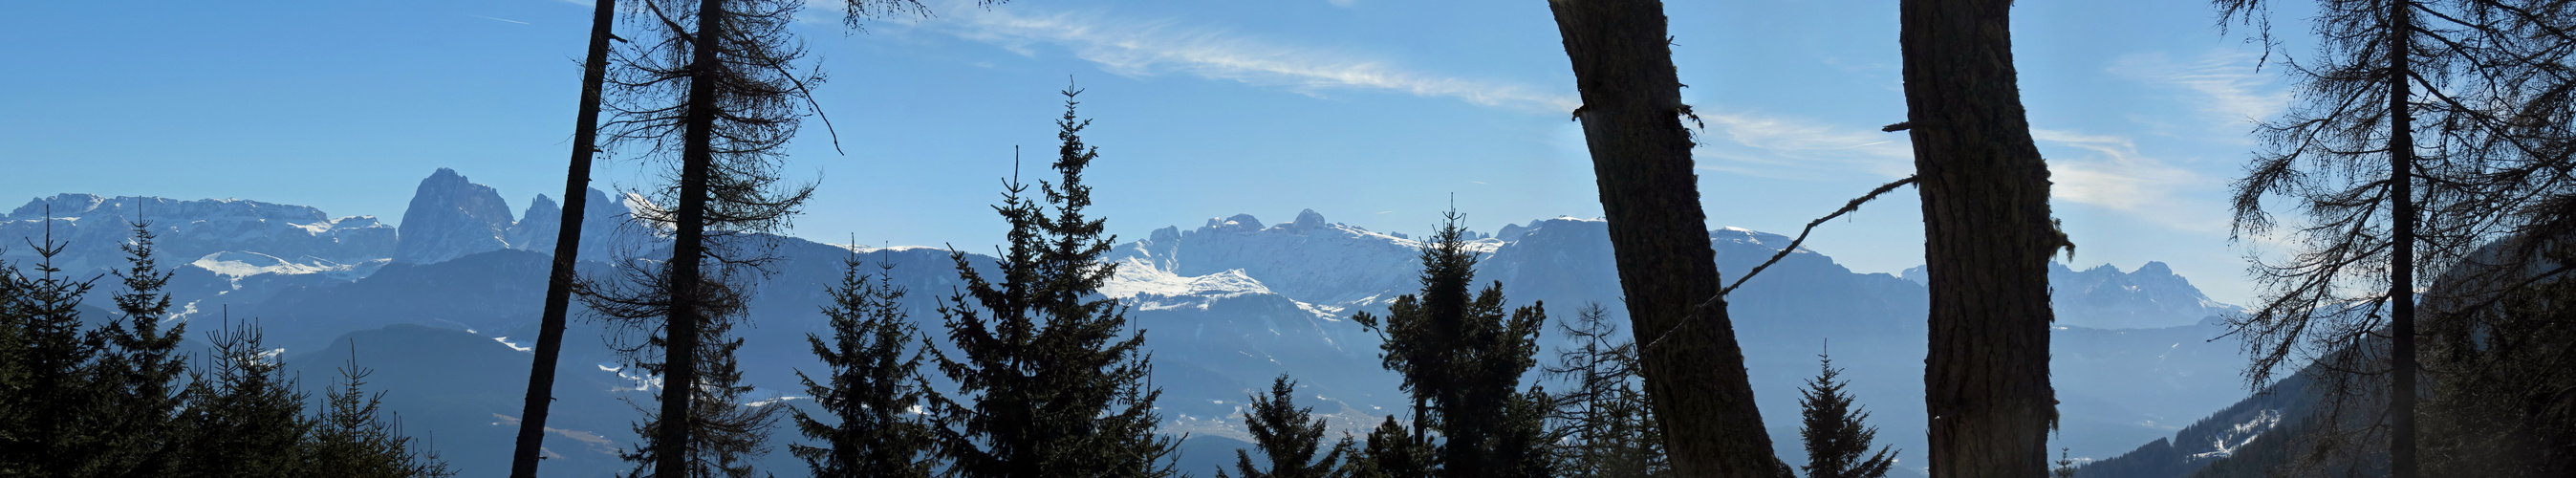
pixel 585 141
pixel 2401 255
pixel 1987 240
pixel 1641 156
pixel 688 246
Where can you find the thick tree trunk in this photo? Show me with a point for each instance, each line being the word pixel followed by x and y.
pixel 1987 240
pixel 1641 155
pixel 2401 255
pixel 688 246
pixel 585 141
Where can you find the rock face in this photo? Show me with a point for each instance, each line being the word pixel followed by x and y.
pixel 450 217
pixel 91 227
pixel 605 232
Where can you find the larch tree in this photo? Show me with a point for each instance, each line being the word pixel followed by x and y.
pixel 711 88
pixel 2425 135
pixel 1632 115
pixel 1606 426
pixel 559 277
pixel 872 385
pixel 1046 384
pixel 1988 237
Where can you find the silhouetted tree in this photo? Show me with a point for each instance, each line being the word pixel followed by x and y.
pixel 1835 436
pixel 1289 436
pixel 1394 452
pixel 56 401
pixel 1606 425
pixel 708 87
pixel 139 369
pixel 244 417
pixel 559 277
pixel 351 438
pixel 1632 110
pixel 1987 240
pixel 1461 358
pixel 873 385
pixel 727 433
pixel 2424 130
pixel 1046 387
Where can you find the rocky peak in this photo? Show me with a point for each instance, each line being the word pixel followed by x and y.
pixel 451 217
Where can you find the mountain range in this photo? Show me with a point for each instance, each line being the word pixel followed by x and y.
pixel 442 306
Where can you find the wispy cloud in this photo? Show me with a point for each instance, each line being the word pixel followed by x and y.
pixel 2112 174
pixel 498 19
pixel 1785 147
pixel 1139 48
pixel 2224 82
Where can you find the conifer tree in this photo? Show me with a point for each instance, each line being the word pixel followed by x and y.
pixel 1605 421
pixel 1833 430
pixel 56 401
pixel 873 384
pixel 1046 387
pixel 1289 436
pixel 727 435
pixel 1461 358
pixel 352 438
pixel 139 369
pixel 243 416
pixel 1394 452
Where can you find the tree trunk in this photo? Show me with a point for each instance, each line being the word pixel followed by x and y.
pixel 1641 156
pixel 2401 255
pixel 688 246
pixel 1987 240
pixel 585 141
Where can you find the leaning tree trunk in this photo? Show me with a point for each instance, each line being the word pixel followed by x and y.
pixel 1641 155
pixel 1986 239
pixel 688 246
pixel 585 141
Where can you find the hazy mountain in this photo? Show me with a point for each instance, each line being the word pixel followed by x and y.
pixel 1225 307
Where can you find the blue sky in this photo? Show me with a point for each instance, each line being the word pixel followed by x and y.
pixel 1371 112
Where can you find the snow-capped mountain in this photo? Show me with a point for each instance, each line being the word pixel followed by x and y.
pixel 1224 308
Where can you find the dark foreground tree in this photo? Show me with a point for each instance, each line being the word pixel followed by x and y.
pixel 352 438
pixel 1289 436
pixel 1605 423
pixel 2423 131
pixel 1632 110
pixel 140 367
pixel 53 402
pixel 559 276
pixel 1837 441
pixel 1394 452
pixel 1987 239
pixel 872 386
pixel 1461 357
pixel 1046 385
pixel 709 87
pixel 244 417
pixel 728 435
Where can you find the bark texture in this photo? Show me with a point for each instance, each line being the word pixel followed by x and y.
pixel 1631 116
pixel 1987 239
pixel 688 244
pixel 585 142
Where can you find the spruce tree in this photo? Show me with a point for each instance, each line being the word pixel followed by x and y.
pixel 873 384
pixel 1461 358
pixel 1046 385
pixel 727 435
pixel 1833 430
pixel 352 438
pixel 1394 452
pixel 57 402
pixel 1289 436
pixel 140 368
pixel 244 417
